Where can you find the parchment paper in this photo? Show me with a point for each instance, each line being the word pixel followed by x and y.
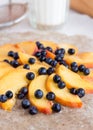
pixel 68 118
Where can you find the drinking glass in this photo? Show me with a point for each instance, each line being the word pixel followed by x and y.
pixel 48 14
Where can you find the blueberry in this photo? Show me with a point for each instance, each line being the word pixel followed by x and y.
pixel 38 93
pixel 24 90
pixel 15 56
pixel 42 58
pixel 74 64
pixel 11 53
pixel 80 92
pixel 33 110
pixel 3 98
pixel 53 63
pixel 48 60
pixel 9 94
pixel 74 69
pixel 43 53
pixel 5 60
pixel 56 78
pixel 73 91
pixel 20 95
pixel 56 107
pixel 26 66
pixel 50 96
pixel 42 71
pixel 58 58
pixel 30 75
pixel 71 51
pixel 50 70
pixel 31 60
pixel 25 103
pixel 62 62
pixel 61 85
pixel 49 49
pixel 39 45
pixel 86 71
pixel 61 55
pixel 81 68
pixel 14 63
pixel 38 54
pixel 60 51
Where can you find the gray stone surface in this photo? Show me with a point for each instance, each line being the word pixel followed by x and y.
pixel 68 118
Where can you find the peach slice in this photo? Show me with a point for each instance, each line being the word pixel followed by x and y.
pixel 43 105
pixel 73 80
pixel 82 58
pixel 86 58
pixel 66 46
pixel 25 57
pixel 50 54
pixel 13 81
pixel 5 68
pixel 4 49
pixel 73 58
pixel 63 96
pixel 28 47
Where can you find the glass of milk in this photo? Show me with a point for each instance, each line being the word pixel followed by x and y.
pixel 48 14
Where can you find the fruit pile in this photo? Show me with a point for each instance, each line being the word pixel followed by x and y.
pixel 44 75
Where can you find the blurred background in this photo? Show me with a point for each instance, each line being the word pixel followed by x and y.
pixel 71 17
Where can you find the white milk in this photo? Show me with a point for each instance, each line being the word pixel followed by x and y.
pixel 48 12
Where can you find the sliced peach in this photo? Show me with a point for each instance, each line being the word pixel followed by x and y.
pixel 88 79
pixel 42 104
pixel 25 57
pixel 4 49
pixel 50 54
pixel 86 58
pixel 5 68
pixel 81 58
pixel 63 96
pixel 73 80
pixel 13 81
pixel 66 46
pixel 28 47
pixel 72 58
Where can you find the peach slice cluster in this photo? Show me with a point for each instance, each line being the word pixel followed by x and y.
pixel 14 78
